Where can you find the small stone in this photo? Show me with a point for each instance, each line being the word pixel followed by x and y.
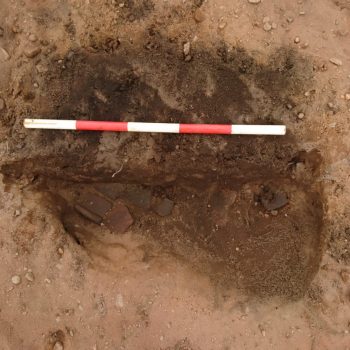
pixel 17 212
pixel 302 13
pixel 188 58
pixel 336 61
pixel 36 85
pixel 4 55
pixel 273 201
pixel 164 207
pixel 2 104
pixel 301 115
pixel 290 19
pixel 31 51
pixel 187 48
pixel 199 16
pixel 33 38
pixel 330 105
pixel 267 27
pixel 118 219
pixel 119 301
pixel 29 276
pixel 255 2
pixel 16 279
pixel 345 276
pixel 297 40
pixel 274 212
pixel 58 346
pixel 274 25
pixel 41 69
pixel 60 251
pixel 222 24
pixel 266 19
pixel 289 106
pixel 347 97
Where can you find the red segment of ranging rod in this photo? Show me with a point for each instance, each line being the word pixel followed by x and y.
pixel 205 129
pixel 101 126
pixel 155 127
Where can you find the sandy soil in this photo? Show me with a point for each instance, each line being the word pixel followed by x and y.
pixel 223 242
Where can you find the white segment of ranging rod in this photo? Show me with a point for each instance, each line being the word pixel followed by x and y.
pixel 50 124
pixel 154 127
pixel 258 129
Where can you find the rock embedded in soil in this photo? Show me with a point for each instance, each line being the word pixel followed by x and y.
pixel 254 1
pixel 58 346
pixel 4 55
pixel 33 38
pixel 31 51
pixel 297 40
pixel 187 48
pixel 199 16
pixel 93 207
pixel 267 27
pixel 2 104
pixel 273 201
pixel 16 279
pixel 336 61
pixel 164 207
pixel 118 219
pixel 29 276
pixel 301 116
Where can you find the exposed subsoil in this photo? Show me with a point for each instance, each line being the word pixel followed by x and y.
pixel 231 228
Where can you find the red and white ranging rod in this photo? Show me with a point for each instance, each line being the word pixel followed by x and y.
pixel 224 129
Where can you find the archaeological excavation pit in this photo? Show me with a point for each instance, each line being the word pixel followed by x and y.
pixel 246 211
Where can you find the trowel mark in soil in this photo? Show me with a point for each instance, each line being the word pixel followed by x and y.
pixel 241 214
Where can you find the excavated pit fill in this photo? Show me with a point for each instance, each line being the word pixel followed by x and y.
pixel 225 221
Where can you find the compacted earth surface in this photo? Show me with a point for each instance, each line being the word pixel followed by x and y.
pixel 175 242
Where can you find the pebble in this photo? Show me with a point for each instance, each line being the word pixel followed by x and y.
pixel 60 251
pixel 41 69
pixel 31 51
pixel 29 276
pixel 266 19
pixel 345 276
pixel 290 19
pixel 330 105
pixel 187 48
pixel 301 115
pixel 267 27
pixel 17 212
pixel 16 279
pixel 33 38
pixel 119 302
pixel 58 346
pixel 297 40
pixel 2 104
pixel 4 55
pixel 199 16
pixel 274 212
pixel 222 25
pixel 347 97
pixel 274 25
pixel 254 1
pixel 289 106
pixel 336 61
